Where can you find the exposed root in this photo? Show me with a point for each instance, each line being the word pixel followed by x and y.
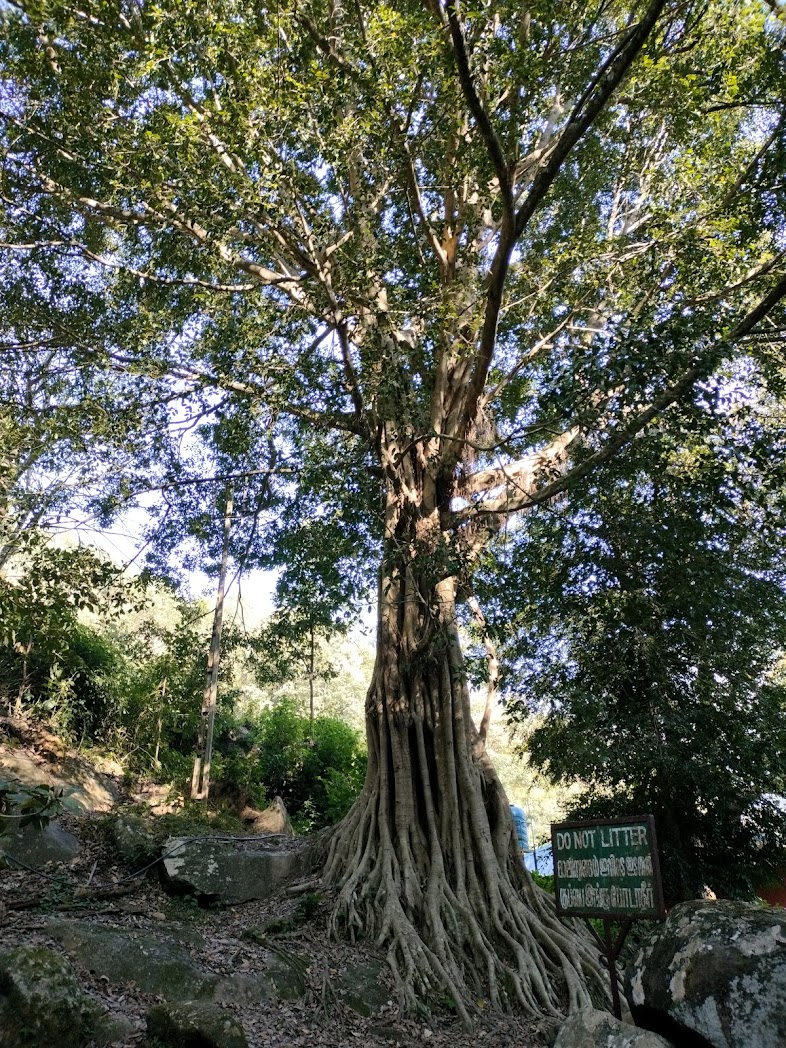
pixel 426 862
pixel 486 942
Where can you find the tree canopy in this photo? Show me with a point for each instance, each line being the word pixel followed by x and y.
pixel 391 262
pixel 648 645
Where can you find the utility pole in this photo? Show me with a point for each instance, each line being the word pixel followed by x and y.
pixel 200 780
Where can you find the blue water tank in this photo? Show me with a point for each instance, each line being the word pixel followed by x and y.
pixel 520 822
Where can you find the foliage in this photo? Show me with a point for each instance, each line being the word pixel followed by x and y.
pixel 544 881
pixel 73 441
pixel 159 683
pixel 288 340
pixel 316 768
pixel 22 806
pixel 44 650
pixel 655 616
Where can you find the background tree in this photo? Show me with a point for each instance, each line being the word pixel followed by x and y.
pixel 47 657
pixel 75 437
pixel 316 594
pixel 443 243
pixel 655 619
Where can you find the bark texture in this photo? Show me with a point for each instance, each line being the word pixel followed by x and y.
pixel 426 861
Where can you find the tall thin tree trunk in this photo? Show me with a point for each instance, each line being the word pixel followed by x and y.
pixel 24 686
pixel 160 720
pixel 311 680
pixel 200 780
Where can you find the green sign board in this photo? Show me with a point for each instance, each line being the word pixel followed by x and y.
pixel 607 868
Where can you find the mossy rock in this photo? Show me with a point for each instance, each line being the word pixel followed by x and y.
pixel 361 988
pixel 283 979
pixel 154 962
pixel 41 1003
pixel 108 1029
pixel 134 840
pixel 194 1024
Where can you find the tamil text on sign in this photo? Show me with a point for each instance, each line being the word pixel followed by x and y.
pixel 607 868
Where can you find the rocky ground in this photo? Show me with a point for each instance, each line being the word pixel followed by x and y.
pixel 268 966
pixel 132 945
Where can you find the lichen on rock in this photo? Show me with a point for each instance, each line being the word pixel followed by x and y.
pixel 718 968
pixel 41 1002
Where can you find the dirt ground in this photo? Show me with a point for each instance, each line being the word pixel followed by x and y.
pixel 319 1019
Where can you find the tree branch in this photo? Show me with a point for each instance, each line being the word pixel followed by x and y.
pixel 479 114
pixel 591 104
pixel 623 435
pixel 588 108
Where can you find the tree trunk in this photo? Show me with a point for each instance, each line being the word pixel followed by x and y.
pixel 200 778
pixel 427 861
pixel 311 659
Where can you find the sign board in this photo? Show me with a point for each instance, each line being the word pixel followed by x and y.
pixel 607 868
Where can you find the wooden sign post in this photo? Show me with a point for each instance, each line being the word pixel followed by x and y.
pixel 608 869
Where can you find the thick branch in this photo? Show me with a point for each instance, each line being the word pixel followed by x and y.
pixel 479 114
pixel 520 475
pixel 624 434
pixel 587 110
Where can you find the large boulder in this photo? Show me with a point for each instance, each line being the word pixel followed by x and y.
pixel 84 788
pixel 41 1002
pixel 36 847
pixel 154 963
pixel 231 871
pixel 160 963
pixel 590 1028
pixel 718 971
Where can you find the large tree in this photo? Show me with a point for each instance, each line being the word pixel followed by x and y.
pixel 420 248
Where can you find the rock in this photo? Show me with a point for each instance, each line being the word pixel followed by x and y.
pixel 283 979
pixel 280 981
pixel 41 1002
pixel 84 789
pixel 274 819
pixel 35 847
pixel 231 872
pixel 590 1028
pixel 134 840
pixel 194 1025
pixel 153 961
pixel 718 969
pixel 109 1029
pixel 361 988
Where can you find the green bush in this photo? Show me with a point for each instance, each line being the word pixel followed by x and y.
pixel 544 881
pixel 316 768
pixel 67 679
